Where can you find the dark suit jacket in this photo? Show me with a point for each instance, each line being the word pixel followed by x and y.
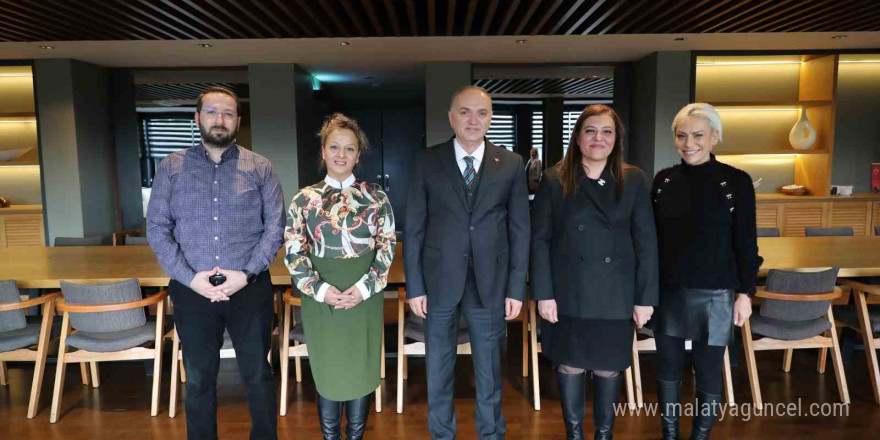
pixel 440 232
pixel 597 261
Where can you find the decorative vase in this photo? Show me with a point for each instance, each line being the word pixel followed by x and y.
pixel 802 135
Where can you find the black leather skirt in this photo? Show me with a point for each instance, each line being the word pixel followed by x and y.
pixel 696 314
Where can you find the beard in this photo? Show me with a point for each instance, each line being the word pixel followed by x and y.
pixel 217 140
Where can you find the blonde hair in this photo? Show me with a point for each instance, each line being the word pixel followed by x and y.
pixel 700 110
pixel 338 121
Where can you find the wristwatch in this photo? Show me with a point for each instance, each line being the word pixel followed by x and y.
pixel 251 277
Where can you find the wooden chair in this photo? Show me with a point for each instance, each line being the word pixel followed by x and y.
pixel 78 241
pixel 795 312
pixel 292 331
pixel 106 322
pixel 648 344
pixel 865 318
pixel 413 328
pixel 227 351
pixel 23 341
pixel 119 238
pixel 768 232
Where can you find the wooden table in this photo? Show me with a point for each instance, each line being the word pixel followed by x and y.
pixel 44 267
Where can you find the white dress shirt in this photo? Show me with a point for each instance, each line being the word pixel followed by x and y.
pixel 477 154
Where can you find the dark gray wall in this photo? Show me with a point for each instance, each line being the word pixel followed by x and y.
pixel 76 148
pixel 125 136
pixel 856 126
pixel 441 81
pixel 662 87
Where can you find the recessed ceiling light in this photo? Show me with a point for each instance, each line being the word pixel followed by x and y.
pixel 521 41
pixel 679 39
pixel 47 47
pixel 343 43
pixel 205 45
pixel 838 37
pixel 594 76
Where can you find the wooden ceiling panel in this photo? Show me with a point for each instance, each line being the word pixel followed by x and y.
pixel 90 20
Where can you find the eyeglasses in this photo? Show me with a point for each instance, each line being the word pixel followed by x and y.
pixel 214 114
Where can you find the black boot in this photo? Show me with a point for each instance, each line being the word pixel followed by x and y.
pixel 356 412
pixel 706 413
pixel 330 416
pixel 571 397
pixel 669 396
pixel 606 391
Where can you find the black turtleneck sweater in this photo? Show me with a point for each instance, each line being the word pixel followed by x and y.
pixel 702 242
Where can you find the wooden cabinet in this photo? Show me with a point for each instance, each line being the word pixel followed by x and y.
pixel 21 226
pixel 791 215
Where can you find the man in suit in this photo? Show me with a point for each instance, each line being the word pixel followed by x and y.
pixel 466 252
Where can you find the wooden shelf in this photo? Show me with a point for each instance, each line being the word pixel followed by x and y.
pixel 4 115
pixel 770 103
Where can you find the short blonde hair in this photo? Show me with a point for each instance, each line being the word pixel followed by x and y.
pixel 700 110
pixel 338 121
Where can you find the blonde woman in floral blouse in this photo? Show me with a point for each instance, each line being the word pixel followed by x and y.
pixel 340 242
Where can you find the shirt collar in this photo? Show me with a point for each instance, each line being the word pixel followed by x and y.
pixel 477 154
pixel 229 154
pixel 333 183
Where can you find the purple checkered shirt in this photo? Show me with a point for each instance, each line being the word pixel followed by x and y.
pixel 204 214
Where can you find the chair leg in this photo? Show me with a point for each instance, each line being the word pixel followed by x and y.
pixel 285 359
pixel 786 360
pixel 297 365
pixel 175 367
pixel 96 381
pixel 60 370
pixel 525 346
pixel 637 373
pixel 728 378
pixel 40 365
pixel 4 374
pixel 749 349
pixel 379 398
pixel 157 359
pixel 182 371
pixel 868 341
pixel 837 360
pixel 401 357
pixel 823 357
pixel 533 336
pixel 84 372
pixel 630 393
pixel 382 354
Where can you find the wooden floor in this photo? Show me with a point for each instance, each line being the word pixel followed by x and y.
pixel 119 409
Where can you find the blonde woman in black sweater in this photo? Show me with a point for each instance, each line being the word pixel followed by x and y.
pixel 705 213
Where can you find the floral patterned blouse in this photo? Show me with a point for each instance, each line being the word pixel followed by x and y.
pixel 326 222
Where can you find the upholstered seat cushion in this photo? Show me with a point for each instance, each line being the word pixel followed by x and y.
pixel 414 328
pixel 114 341
pixel 849 316
pixel 12 319
pixel 788 330
pixel 20 338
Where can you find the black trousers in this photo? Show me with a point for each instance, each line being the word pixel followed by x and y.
pixel 247 316
pixel 486 328
pixel 708 362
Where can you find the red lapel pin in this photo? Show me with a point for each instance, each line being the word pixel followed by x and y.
pixel 497 160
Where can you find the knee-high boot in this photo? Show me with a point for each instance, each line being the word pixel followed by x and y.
pixel 669 396
pixel 330 416
pixel 571 397
pixel 706 409
pixel 606 391
pixel 356 412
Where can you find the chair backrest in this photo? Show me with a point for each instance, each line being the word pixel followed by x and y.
pixel 110 293
pixel 780 281
pixel 829 232
pixel 77 241
pixel 876 230
pixel 13 319
pixel 131 240
pixel 768 232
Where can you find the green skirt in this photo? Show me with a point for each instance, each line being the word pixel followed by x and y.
pixel 344 345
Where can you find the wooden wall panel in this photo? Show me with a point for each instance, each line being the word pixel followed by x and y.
pixel 856 215
pixel 768 215
pixel 797 216
pixel 23 230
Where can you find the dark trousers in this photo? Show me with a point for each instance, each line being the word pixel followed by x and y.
pixel 708 362
pixel 247 316
pixel 487 327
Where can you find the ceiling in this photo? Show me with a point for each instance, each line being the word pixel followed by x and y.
pixel 90 20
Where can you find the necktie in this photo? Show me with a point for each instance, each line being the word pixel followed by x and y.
pixel 469 171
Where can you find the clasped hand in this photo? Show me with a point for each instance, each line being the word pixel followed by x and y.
pixel 235 281
pixel 343 300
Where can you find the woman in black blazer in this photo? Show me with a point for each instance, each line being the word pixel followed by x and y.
pixel 593 266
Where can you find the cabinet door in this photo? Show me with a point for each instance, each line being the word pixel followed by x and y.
pixel 403 132
pixel 24 230
pixel 797 216
pixel 856 215
pixel 768 215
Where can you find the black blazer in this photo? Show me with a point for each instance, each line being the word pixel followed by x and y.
pixel 440 232
pixel 597 261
